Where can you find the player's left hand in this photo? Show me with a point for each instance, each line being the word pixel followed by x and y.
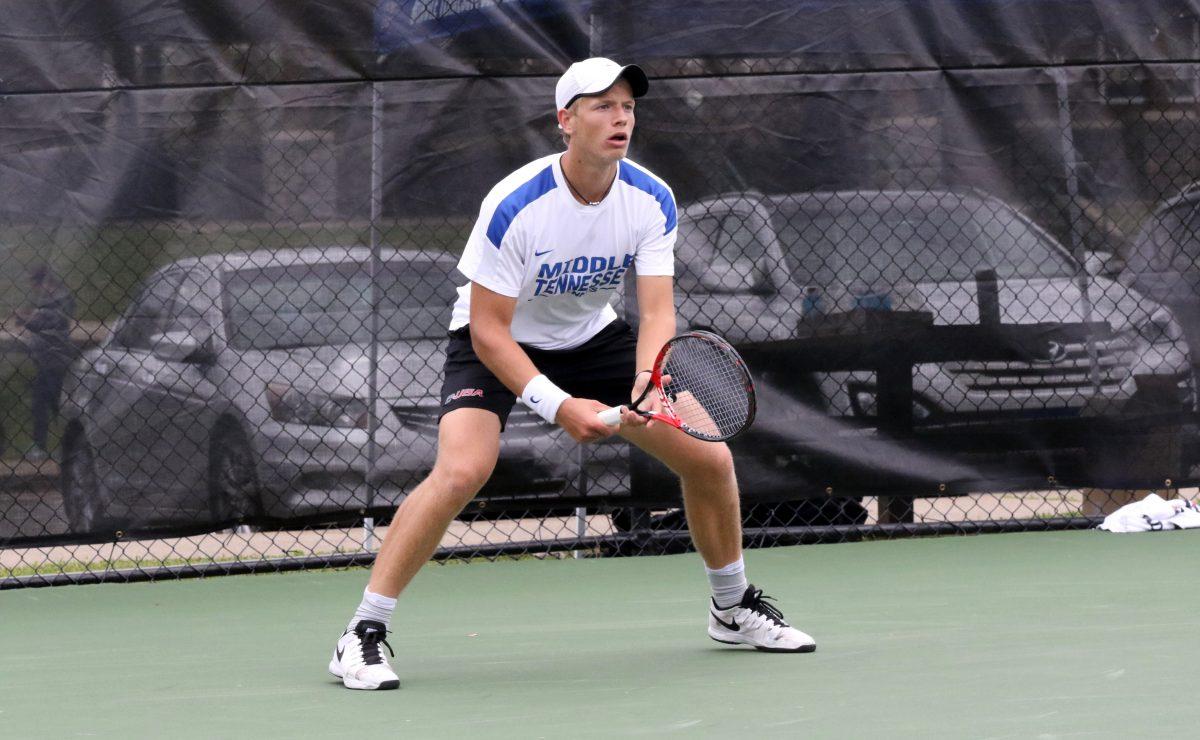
pixel 652 403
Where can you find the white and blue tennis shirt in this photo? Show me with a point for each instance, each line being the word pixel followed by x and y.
pixel 563 260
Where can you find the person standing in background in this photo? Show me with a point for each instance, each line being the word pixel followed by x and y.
pixel 47 320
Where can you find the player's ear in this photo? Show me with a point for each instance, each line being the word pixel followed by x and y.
pixel 566 119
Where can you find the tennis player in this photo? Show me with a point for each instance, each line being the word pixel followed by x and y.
pixel 534 321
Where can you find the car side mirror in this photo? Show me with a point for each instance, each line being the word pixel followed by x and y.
pixel 183 346
pixel 1102 264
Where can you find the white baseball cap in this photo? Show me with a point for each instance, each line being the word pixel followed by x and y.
pixel 594 76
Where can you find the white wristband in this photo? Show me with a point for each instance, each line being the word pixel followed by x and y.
pixel 544 397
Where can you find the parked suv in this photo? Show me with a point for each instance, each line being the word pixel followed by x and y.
pixel 239 385
pixel 758 268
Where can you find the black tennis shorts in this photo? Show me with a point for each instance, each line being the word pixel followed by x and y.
pixel 601 368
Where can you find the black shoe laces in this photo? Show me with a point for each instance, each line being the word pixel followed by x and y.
pixel 756 602
pixel 370 636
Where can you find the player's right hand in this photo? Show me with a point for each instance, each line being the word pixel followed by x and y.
pixel 579 416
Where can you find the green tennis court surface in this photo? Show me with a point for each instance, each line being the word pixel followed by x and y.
pixel 1023 635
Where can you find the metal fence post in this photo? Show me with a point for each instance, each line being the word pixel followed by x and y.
pixel 1075 213
pixel 581 511
pixel 373 352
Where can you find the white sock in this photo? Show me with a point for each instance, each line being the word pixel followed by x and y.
pixel 373 606
pixel 728 583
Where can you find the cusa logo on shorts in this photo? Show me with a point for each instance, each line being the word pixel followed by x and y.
pixel 464 393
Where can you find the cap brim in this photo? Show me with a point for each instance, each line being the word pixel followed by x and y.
pixel 638 82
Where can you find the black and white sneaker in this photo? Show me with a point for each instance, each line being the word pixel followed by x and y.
pixel 757 623
pixel 358 661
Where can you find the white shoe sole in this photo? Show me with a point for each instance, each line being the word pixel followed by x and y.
pixel 733 638
pixel 354 683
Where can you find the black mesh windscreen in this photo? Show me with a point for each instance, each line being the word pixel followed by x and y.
pixel 957 246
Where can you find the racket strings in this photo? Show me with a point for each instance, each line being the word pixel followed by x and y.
pixel 708 388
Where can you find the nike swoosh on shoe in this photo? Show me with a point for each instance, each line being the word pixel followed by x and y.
pixel 731 625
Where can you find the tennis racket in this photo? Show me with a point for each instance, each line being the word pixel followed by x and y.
pixel 709 394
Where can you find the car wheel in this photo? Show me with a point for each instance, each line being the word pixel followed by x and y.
pixel 233 491
pixel 82 498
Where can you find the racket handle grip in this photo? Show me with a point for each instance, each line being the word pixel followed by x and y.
pixel 611 417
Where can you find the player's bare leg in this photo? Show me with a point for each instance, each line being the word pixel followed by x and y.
pixel 711 502
pixel 710 493
pixel 468 446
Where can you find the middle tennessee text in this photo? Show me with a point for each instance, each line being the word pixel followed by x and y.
pixel 580 275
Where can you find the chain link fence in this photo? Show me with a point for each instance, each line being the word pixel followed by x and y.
pixel 968 298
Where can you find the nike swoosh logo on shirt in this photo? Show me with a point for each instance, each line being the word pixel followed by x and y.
pixel 534 400
pixel 731 625
pixel 539 254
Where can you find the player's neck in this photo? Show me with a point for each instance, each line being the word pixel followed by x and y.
pixel 588 181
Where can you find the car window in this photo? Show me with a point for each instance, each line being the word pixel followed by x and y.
pixel 1189 236
pixel 188 308
pixel 150 314
pixel 724 253
pixel 894 240
pixel 693 249
pixel 1020 250
pixel 330 303
pixel 738 263
pixel 1170 241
